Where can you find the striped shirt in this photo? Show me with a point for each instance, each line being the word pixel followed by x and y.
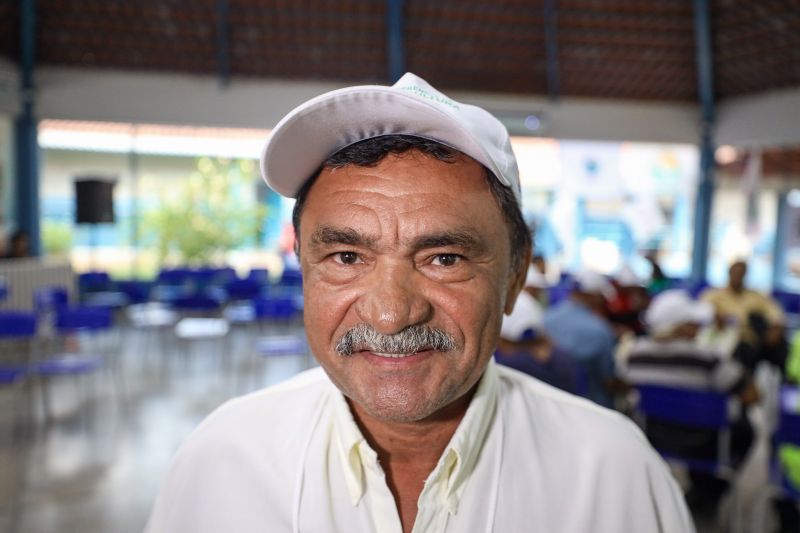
pixel 680 363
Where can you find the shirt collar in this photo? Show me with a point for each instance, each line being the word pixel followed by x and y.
pixel 456 463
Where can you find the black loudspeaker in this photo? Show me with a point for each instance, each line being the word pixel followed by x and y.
pixel 94 200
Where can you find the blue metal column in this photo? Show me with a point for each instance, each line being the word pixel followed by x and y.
pixel 705 188
pixel 396 38
pixel 25 133
pixel 551 49
pixel 779 247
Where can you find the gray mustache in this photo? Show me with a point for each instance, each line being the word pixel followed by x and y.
pixel 410 340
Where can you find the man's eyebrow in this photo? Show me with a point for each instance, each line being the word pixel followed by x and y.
pixel 346 236
pixel 462 238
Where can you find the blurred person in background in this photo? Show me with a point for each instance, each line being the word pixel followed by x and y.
pixel 658 280
pixel 758 318
pixel 629 302
pixel 578 325
pixel 18 246
pixel 670 356
pixel 524 346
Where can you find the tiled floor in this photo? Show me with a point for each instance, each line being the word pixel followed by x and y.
pixel 95 467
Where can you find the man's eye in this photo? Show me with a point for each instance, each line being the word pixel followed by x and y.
pixel 346 258
pixel 446 260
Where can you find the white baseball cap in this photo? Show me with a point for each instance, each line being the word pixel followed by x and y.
pixel 593 282
pixel 322 126
pixel 526 315
pixel 674 307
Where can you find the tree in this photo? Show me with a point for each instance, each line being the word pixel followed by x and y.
pixel 213 211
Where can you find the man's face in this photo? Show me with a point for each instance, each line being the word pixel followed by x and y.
pixel 411 241
pixel 736 275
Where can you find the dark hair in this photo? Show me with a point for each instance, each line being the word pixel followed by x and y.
pixel 370 152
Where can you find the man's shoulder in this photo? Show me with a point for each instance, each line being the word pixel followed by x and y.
pixel 282 409
pixel 565 417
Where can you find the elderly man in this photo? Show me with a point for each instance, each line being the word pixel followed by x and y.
pixel 412 247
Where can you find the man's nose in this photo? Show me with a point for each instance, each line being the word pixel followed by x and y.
pixel 393 299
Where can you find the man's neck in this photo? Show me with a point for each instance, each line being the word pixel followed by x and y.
pixel 409 451
pixel 398 441
pixel 737 289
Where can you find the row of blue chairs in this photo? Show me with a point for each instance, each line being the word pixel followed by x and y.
pixel 26 353
pixel 221 284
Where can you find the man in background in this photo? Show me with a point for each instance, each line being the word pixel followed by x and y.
pixel 759 319
pixel 579 326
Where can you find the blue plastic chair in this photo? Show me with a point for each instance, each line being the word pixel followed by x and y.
pixel 693 409
pixel 281 309
pixel 69 358
pixel 197 304
pixel 137 292
pixel 291 278
pixel 174 276
pixel 259 275
pixel 243 289
pixel 696 409
pixel 49 299
pixel 94 282
pixel 171 284
pixel 18 331
pixel 16 327
pixel 80 320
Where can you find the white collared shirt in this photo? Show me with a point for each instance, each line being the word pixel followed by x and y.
pixel 526 457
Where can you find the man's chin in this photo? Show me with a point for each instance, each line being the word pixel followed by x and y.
pixel 396 411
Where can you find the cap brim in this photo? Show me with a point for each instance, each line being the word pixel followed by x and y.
pixel 305 138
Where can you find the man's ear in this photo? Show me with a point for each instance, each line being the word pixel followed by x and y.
pixel 517 281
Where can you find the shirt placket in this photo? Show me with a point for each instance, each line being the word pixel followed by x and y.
pixel 382 507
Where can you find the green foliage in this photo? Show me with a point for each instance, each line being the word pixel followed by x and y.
pixel 56 237
pixel 213 211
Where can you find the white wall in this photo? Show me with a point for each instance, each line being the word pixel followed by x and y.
pixel 183 99
pixel 595 119
pixel 766 119
pixel 771 118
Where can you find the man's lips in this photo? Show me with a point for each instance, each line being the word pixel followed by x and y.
pixel 395 357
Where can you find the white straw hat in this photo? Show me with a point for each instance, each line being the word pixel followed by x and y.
pixel 318 128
